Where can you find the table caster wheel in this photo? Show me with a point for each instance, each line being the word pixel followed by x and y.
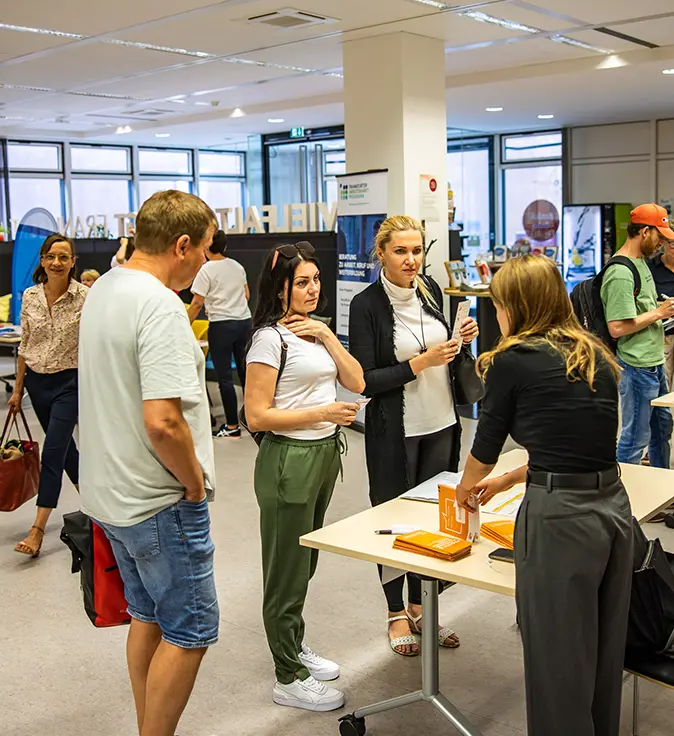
pixel 351 726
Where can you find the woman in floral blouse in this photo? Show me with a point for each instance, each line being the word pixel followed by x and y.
pixel 50 324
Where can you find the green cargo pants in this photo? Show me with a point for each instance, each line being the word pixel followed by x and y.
pixel 294 480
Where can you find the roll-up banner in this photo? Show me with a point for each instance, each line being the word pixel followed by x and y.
pixel 361 209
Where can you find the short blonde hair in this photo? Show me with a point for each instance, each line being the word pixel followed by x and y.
pixel 166 216
pixel 91 274
pixel 402 224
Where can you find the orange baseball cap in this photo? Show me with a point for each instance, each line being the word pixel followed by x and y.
pixel 655 216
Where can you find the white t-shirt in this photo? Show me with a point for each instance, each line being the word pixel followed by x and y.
pixel 308 379
pixel 222 283
pixel 136 345
pixel 428 400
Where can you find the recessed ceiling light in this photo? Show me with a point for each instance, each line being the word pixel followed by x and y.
pixel 547 116
pixel 578 44
pixel 122 129
pixel 26 88
pixel 203 104
pixel 494 109
pixel 162 135
pixel 668 71
pixel 276 120
pixel 237 113
pixel 510 25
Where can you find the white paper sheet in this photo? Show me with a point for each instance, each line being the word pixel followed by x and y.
pixel 428 491
pixel 506 503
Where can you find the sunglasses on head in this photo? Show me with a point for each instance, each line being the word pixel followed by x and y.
pixel 292 250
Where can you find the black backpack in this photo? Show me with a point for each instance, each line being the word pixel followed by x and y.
pixel 587 304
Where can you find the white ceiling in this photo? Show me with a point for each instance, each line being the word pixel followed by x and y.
pixel 102 75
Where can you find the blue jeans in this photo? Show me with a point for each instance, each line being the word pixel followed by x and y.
pixel 166 564
pixel 644 425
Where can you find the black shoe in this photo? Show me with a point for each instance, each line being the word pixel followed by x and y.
pixel 669 521
pixel 224 431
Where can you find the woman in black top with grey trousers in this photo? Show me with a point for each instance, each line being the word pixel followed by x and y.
pixel 553 387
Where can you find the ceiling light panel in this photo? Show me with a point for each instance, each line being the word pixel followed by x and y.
pixel 156 47
pixel 509 25
pixel 40 31
pixel 436 4
pixel 579 44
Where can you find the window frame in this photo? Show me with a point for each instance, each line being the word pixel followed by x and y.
pixel 102 173
pixel 535 159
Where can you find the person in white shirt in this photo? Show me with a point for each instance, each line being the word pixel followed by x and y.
pixel 299 458
pixel 147 464
pixel 222 286
pixel 398 333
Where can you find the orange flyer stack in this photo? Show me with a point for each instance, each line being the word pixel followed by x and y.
pixel 439 546
pixel 500 532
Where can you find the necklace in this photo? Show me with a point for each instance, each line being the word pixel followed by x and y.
pixel 422 343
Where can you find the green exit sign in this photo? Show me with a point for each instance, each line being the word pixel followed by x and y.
pixel 297 133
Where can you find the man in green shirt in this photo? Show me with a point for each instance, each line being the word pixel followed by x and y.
pixel 636 323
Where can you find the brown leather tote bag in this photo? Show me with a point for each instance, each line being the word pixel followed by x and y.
pixel 19 465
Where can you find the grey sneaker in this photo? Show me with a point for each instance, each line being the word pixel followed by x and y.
pixel 308 694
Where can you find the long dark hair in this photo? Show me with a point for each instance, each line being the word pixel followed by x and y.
pixel 276 279
pixel 40 275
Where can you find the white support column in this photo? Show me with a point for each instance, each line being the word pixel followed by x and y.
pixel 396 119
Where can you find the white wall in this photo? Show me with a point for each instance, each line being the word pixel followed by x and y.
pixel 627 162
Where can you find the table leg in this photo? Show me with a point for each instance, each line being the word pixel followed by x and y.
pixel 430 676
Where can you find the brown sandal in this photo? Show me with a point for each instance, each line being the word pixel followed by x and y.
pixel 23 549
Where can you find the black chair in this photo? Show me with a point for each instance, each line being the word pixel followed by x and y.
pixel 654 667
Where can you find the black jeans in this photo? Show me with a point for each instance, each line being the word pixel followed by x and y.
pixel 427 455
pixel 227 338
pixel 54 399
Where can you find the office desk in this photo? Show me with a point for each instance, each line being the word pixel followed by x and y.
pixel 666 400
pixel 650 490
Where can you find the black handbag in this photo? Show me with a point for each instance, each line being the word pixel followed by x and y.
pixel 468 385
pixel 259 436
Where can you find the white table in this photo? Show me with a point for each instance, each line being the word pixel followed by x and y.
pixel 666 400
pixel 651 490
pixel 13 342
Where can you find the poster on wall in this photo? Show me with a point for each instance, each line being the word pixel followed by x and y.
pixel 361 208
pixel 429 206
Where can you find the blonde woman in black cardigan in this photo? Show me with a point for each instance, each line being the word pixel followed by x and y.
pixel 399 335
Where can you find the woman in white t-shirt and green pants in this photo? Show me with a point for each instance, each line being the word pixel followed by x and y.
pixel 222 286
pixel 299 458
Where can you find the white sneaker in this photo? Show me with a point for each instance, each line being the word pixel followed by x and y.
pixel 320 668
pixel 308 694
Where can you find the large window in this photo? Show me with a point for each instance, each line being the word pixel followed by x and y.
pixel 34 156
pixel 532 189
pixel 221 194
pixel 533 197
pixel 100 197
pixel 468 175
pixel 100 159
pixel 221 178
pixel 26 193
pixel 147 187
pixel 532 147
pixel 164 161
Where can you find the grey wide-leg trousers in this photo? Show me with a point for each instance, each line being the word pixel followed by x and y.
pixel 573 553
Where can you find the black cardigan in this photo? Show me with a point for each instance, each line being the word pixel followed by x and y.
pixel 372 343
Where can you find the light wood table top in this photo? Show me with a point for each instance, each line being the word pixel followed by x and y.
pixel 459 292
pixel 666 400
pixel 651 490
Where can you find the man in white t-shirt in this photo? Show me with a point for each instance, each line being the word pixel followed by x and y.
pixel 146 451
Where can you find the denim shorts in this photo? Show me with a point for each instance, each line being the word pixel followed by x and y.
pixel 166 563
